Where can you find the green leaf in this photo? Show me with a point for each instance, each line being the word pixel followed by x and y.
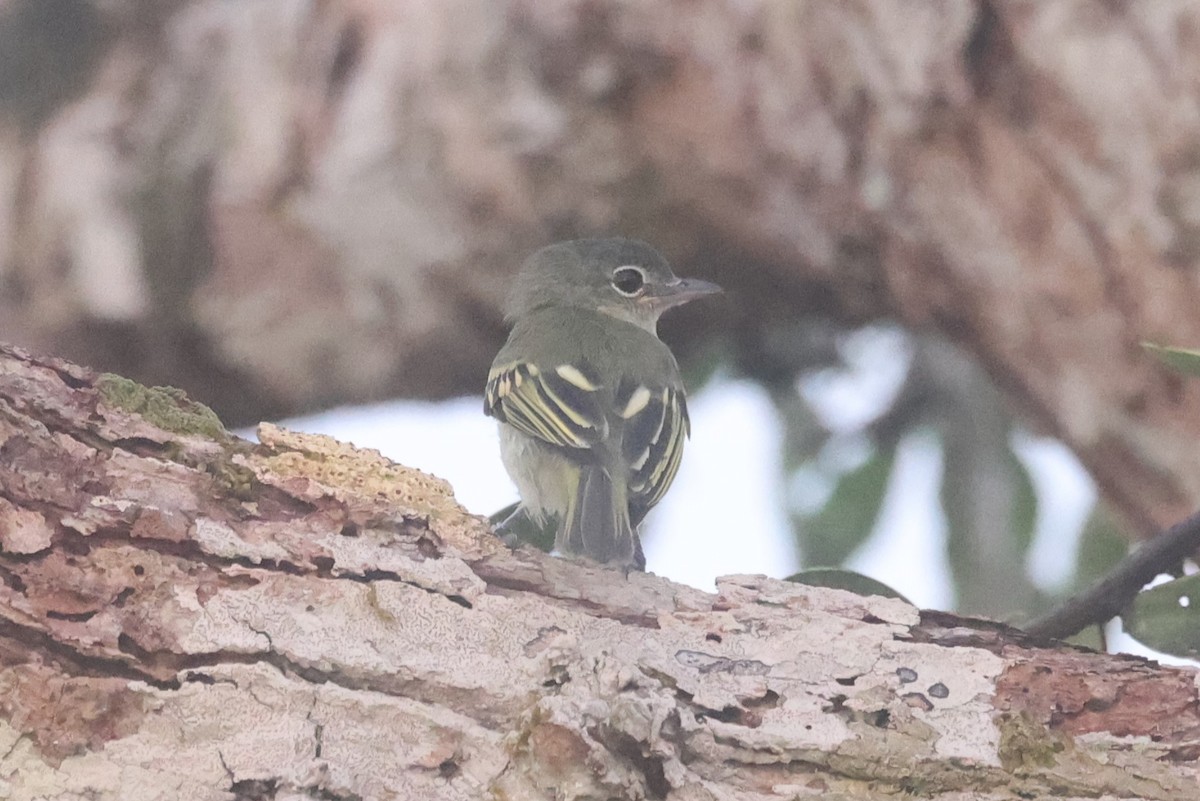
pixel 1025 504
pixel 803 433
pixel 990 507
pixel 1182 360
pixel 1101 547
pixel 839 579
pixel 847 519
pixel 1167 617
pixel 1092 637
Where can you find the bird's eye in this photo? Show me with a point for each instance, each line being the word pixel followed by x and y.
pixel 629 281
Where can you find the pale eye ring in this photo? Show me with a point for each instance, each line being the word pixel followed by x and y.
pixel 630 281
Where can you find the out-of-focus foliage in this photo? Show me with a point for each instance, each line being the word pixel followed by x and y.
pixel 1167 617
pixel 839 469
pixel 840 466
pixel 47 49
pixel 1101 546
pixel 831 534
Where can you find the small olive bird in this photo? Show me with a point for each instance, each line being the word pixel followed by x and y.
pixel 590 401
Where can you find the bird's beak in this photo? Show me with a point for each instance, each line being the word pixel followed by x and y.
pixel 680 291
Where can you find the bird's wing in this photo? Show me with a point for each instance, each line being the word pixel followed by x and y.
pixel 656 425
pixel 560 404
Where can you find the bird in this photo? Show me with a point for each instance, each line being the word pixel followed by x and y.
pixel 589 401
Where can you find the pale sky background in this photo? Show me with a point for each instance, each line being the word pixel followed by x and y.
pixel 725 512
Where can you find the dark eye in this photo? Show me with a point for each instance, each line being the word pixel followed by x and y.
pixel 629 281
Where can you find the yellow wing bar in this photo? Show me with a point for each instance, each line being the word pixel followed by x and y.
pixel 558 405
pixel 653 441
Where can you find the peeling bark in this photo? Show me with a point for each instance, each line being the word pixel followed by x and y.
pixel 187 615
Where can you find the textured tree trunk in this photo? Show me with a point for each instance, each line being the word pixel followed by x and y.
pixel 284 205
pixel 186 615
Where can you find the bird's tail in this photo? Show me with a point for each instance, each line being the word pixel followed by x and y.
pixel 597 523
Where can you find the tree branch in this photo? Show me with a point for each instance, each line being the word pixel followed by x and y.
pixel 183 609
pixel 1112 593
